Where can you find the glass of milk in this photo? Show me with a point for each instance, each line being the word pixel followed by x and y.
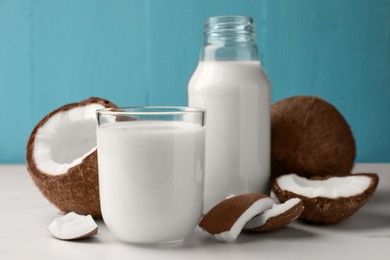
pixel 151 172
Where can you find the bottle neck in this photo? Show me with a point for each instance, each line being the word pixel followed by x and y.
pixel 229 38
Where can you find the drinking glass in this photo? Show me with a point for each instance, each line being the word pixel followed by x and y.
pixel 151 172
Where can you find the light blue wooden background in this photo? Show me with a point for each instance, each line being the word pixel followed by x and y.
pixel 142 52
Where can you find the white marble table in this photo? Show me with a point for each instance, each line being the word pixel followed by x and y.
pixel 25 215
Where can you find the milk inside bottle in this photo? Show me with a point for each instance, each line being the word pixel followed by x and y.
pixel 231 85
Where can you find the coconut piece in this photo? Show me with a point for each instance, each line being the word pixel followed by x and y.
pixel 327 199
pixel 278 216
pixel 226 220
pixel 73 226
pixel 309 136
pixel 62 158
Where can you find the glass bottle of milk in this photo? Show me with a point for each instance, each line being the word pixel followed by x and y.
pixel 231 85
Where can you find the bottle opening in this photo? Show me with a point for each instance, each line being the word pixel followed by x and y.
pixel 229 38
pixel 229 26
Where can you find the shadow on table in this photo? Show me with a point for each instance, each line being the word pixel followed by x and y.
pixel 286 233
pixel 359 222
pixel 88 240
pixel 203 240
pixel 363 220
pixel 381 197
pixel 249 237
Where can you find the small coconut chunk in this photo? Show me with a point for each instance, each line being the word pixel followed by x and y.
pixel 278 216
pixel 73 226
pixel 226 220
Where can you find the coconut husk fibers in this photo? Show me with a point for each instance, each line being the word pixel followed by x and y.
pixel 280 220
pixel 223 216
pixel 310 137
pixel 324 210
pixel 78 189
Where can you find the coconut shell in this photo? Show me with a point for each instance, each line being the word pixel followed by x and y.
pixel 78 189
pixel 222 217
pixel 280 220
pixel 324 210
pixel 309 136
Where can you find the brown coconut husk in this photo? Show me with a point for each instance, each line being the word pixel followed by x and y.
pixel 223 216
pixel 78 189
pixel 324 210
pixel 310 137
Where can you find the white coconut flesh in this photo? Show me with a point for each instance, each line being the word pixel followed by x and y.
pixel 72 226
pixel 334 187
pixel 255 209
pixel 276 210
pixel 66 139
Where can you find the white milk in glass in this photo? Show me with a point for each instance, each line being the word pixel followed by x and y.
pixel 150 177
pixel 236 95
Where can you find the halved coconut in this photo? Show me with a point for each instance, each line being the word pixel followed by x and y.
pixel 327 200
pixel 62 157
pixel 278 216
pixel 309 136
pixel 226 220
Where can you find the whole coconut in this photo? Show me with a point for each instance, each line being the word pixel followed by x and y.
pixel 311 138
